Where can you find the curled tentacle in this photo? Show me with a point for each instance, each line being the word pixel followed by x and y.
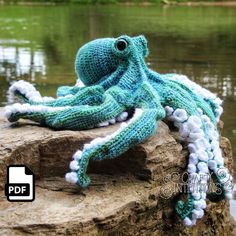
pixel 27 92
pixel 83 96
pixel 205 154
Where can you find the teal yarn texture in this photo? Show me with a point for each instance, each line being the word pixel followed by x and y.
pixel 115 85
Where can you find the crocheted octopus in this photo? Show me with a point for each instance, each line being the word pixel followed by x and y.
pixel 116 85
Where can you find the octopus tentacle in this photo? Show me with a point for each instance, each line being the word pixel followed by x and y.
pixel 214 101
pixel 26 91
pixel 92 95
pixel 190 128
pixel 106 82
pixel 141 126
pixel 67 117
pixel 64 91
pixel 112 79
pixel 205 154
pixel 67 91
pixel 187 93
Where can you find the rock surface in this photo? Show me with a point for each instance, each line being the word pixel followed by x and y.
pixel 134 194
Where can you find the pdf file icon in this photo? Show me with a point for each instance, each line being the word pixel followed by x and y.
pixel 20 184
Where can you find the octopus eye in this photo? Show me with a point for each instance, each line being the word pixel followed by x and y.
pixel 121 44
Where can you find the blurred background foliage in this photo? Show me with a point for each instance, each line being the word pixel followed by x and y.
pixel 107 1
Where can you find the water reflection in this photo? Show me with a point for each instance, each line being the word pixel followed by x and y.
pixel 17 62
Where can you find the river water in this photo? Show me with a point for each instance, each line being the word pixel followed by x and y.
pixel 39 44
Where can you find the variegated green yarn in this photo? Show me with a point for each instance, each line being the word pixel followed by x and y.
pixel 116 85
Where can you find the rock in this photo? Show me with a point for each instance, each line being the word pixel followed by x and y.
pixel 134 194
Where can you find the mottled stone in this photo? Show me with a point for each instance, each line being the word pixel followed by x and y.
pixel 134 194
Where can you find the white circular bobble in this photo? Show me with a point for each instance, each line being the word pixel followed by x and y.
pixel 202 144
pixel 192 148
pixel 87 146
pixel 203 195
pixel 112 121
pixel 203 202
pixel 74 165
pixel 193 159
pixel 196 195
pixel 103 124
pixel 71 177
pixel 194 123
pixel 197 204
pixel 215 145
pixel 202 155
pixel 169 110
pixel 187 221
pixel 212 164
pixel 202 166
pixel 210 155
pixel 191 168
pixel 184 130
pixel 122 116
pixel 198 213
pixel 180 115
pixel 7 111
pixel 200 204
pixel 97 141
pixel 194 136
pixel 77 156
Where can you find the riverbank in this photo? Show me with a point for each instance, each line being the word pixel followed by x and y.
pixel 206 3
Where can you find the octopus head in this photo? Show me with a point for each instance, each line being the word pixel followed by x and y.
pixel 102 57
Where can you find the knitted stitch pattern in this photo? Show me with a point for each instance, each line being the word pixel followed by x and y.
pixel 116 85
